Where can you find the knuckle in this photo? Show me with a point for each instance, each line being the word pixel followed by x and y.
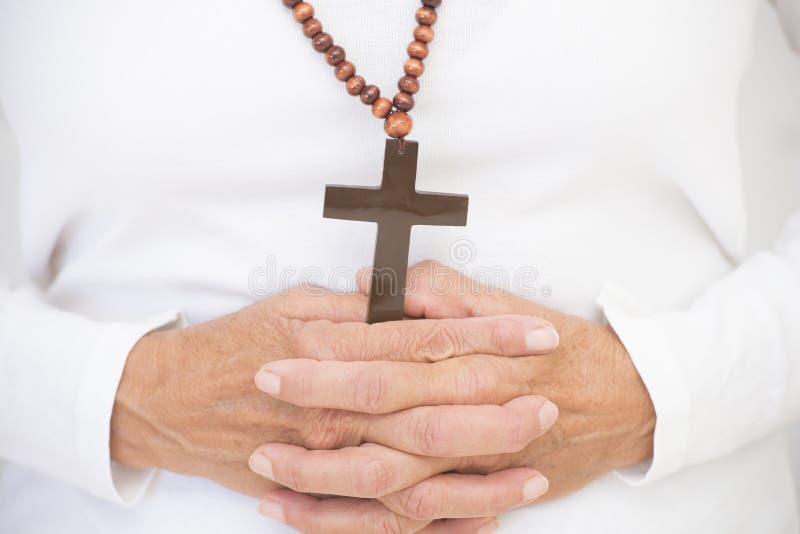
pixel 380 341
pixel 430 433
pixel 387 523
pixel 502 334
pixel 421 502
pixel 307 341
pixel 297 478
pixel 369 392
pixel 442 342
pixel 374 479
pixel 350 343
pixel 328 429
pixel 470 383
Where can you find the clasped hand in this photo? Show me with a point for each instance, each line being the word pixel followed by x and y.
pixel 434 425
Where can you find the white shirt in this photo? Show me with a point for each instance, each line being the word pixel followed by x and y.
pixel 173 152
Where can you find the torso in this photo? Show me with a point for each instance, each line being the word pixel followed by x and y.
pixel 173 152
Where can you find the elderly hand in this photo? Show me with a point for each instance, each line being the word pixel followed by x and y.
pixel 606 419
pixel 187 401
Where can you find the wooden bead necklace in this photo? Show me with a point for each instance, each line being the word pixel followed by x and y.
pixel 397 121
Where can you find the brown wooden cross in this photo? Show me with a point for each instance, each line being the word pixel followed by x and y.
pixel 396 206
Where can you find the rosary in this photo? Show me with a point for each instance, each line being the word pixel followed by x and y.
pixel 396 205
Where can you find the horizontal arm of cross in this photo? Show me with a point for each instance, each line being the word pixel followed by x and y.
pixel 352 203
pixel 440 209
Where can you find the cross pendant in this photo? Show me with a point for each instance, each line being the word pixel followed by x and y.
pixel 396 206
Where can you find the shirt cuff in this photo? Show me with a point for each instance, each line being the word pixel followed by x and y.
pixel 668 388
pixel 95 403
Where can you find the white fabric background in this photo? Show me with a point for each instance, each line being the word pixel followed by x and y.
pixel 769 132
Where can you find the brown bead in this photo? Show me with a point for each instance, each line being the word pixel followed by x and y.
pixel 398 124
pixel 303 11
pixel 403 101
pixel 432 3
pixel 344 70
pixel 355 85
pixel 424 33
pixel 322 41
pixel 370 94
pixel 414 67
pixel 382 107
pixel 408 84
pixel 312 27
pixel 426 16
pixel 418 49
pixel 335 55
pixel 290 3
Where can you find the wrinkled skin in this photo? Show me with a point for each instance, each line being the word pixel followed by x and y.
pixel 187 401
pixel 606 418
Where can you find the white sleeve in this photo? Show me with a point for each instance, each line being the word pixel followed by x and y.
pixel 789 11
pixel 59 374
pixel 726 371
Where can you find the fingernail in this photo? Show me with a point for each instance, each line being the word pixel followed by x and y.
pixel 488 528
pixel 268 383
pixel 542 339
pixel 548 414
pixel 272 509
pixel 260 464
pixel 534 488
